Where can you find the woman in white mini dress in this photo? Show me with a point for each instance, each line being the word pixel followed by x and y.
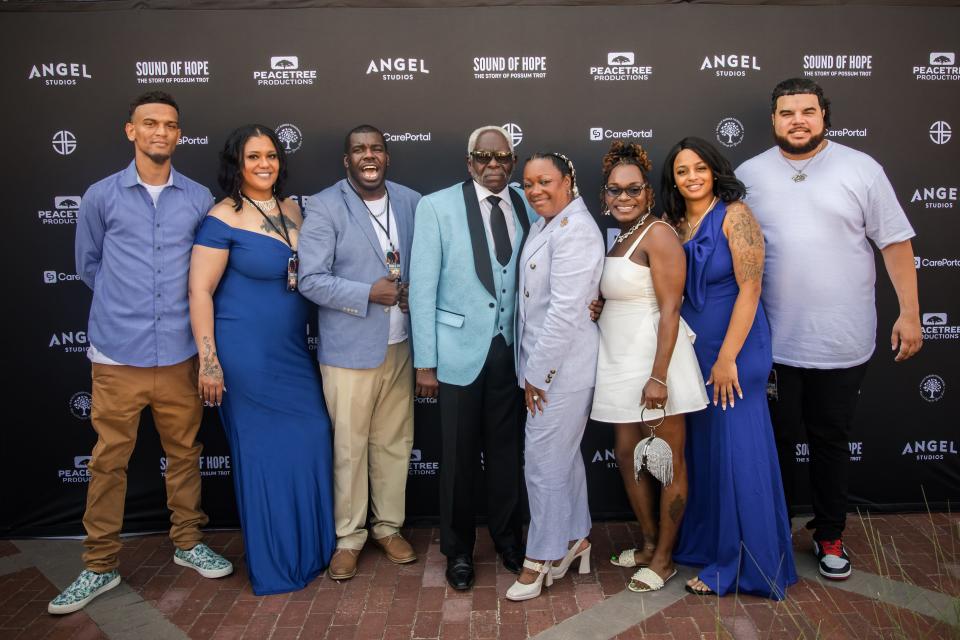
pixel 646 368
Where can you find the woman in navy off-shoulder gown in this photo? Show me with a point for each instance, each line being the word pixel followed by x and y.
pixel 250 329
pixel 736 524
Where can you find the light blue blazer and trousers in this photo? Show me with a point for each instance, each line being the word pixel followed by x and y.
pixel 557 346
pixel 462 307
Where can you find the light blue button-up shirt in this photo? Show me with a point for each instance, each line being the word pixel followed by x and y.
pixel 135 256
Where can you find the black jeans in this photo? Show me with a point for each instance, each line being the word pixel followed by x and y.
pixel 822 404
pixel 485 415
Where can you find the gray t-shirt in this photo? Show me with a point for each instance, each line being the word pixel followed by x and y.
pixel 819 275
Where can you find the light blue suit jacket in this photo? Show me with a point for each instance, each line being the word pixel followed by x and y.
pixel 340 259
pixel 560 268
pixel 452 299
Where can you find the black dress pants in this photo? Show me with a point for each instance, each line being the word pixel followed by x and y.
pixel 822 404
pixel 486 415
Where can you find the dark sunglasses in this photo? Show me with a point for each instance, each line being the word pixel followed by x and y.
pixel 483 157
pixel 632 191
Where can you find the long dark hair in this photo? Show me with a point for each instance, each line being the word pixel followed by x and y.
pixel 230 177
pixel 726 186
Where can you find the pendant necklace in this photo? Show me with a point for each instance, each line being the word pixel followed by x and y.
pixel 799 176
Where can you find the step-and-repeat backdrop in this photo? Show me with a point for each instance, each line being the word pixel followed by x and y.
pixel 571 79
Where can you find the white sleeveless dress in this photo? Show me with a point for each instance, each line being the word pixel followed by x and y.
pixel 628 343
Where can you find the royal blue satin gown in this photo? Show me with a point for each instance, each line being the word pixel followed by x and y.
pixel 736 525
pixel 273 413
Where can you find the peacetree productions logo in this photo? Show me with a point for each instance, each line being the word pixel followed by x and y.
pixel 210 466
pixel 290 137
pixel 928 450
pixel 730 65
pixel 79 473
pixel 285 71
pixel 621 66
pixel 937 327
pixel 942 65
pixel 935 197
pixel 802 451
pixel 932 387
pixel 510 67
pixel 64 142
pixel 598 134
pixel 64 211
pixel 421 467
pixel 730 132
pixel 59 74
pixel 69 341
pixel 839 65
pixel 81 404
pixel 940 132
pixel 172 71
pixel 398 68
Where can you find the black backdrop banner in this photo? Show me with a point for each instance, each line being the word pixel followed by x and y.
pixel 570 79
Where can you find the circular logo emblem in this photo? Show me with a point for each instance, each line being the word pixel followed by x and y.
pixel 729 132
pixel 80 405
pixel 940 132
pixel 932 388
pixel 290 136
pixel 515 133
pixel 64 142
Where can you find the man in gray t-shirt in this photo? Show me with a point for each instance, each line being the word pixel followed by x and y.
pixel 820 204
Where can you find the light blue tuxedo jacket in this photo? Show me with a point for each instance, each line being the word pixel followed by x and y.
pixel 560 268
pixel 453 302
pixel 340 259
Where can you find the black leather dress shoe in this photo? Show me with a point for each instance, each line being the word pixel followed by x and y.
pixel 512 558
pixel 460 572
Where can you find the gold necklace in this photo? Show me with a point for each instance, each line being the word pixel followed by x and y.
pixel 636 225
pixel 692 229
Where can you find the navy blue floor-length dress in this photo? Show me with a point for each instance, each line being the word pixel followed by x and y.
pixel 273 413
pixel 736 524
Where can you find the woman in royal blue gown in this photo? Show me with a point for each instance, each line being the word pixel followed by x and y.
pixel 249 322
pixel 736 524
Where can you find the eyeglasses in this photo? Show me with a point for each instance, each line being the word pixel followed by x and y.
pixel 632 191
pixel 483 157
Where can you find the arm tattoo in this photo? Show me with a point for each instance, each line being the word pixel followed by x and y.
pixel 746 243
pixel 676 509
pixel 209 365
pixel 276 220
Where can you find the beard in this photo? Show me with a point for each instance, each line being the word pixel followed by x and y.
pixel 799 149
pixel 158 158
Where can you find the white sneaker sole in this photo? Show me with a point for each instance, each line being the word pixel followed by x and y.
pixel 835 576
pixel 60 609
pixel 206 573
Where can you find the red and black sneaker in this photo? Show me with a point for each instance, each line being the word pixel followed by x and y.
pixel 833 559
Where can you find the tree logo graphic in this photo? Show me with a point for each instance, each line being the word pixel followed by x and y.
pixel 730 132
pixel 934 319
pixel 284 63
pixel 932 388
pixel 290 136
pixel 66 202
pixel 81 404
pixel 620 58
pixel 942 57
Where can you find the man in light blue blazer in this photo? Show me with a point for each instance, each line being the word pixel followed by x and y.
pixel 463 276
pixel 354 256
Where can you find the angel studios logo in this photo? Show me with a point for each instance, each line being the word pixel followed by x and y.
pixel 730 65
pixel 68 341
pixel 940 197
pixel 398 68
pixel 606 458
pixel 285 71
pixel 929 450
pixel 59 74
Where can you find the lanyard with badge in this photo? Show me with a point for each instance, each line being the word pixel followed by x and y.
pixel 392 254
pixel 293 262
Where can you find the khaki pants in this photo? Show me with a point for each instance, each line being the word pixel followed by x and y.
pixel 120 393
pixel 372 415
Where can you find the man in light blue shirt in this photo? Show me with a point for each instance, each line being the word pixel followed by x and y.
pixel 134 238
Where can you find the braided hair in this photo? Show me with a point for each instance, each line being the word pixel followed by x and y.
pixel 623 153
pixel 563 164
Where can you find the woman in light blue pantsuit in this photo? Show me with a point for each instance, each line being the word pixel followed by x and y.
pixel 556 344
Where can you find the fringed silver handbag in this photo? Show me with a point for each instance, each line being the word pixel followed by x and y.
pixel 653 454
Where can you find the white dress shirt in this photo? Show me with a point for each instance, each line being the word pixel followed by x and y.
pixel 506 205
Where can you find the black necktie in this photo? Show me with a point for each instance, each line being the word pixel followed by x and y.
pixel 498 228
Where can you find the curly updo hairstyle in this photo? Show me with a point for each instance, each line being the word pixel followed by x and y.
pixel 230 177
pixel 622 153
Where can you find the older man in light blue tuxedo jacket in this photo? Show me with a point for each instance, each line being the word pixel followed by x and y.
pixel 463 277
pixel 354 253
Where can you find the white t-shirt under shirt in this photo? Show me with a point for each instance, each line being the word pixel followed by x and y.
pixel 398 324
pixel 819 275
